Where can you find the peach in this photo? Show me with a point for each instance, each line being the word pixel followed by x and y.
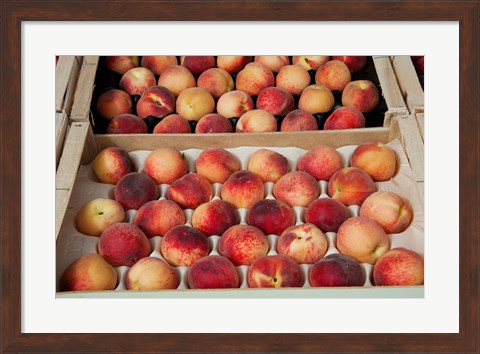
pixel 213 272
pixel 293 78
pixel 399 267
pixel 351 186
pixel 213 123
pixel 165 165
pixel 123 244
pixel 275 100
pixel 127 123
pixel 355 63
pixel 176 78
pixel 345 118
pixel 113 102
pixel 233 63
pixel 214 217
pixel 242 189
pixel 361 94
pixel 256 120
pixel 376 159
pixel 156 101
pixel 156 64
pixel 156 217
pixel 271 216
pixel 216 81
pixel 269 165
pixel 275 271
pixel 316 99
pixel 216 164
pixel 136 80
pixel 135 189
pixel 388 209
pixel 336 269
pixel 327 214
pixel 190 191
pixel 334 75
pixel 172 124
pixel 298 120
pixel 89 272
pixel 304 243
pixel 363 239
pixel 198 64
pixel 253 78
pixel 243 244
pixel 151 273
pixel 296 188
pixel 234 104
pixel 111 164
pixel 321 161
pixel 193 103
pixel 183 246
pixel 310 62
pixel 121 64
pixel 98 214
pixel 273 62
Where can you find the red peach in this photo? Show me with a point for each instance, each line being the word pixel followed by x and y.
pixel 361 94
pixel 355 63
pixel 156 217
pixel 151 273
pixel 321 161
pixel 316 99
pixel 216 164
pixel 198 64
pixel 213 272
pixel 256 120
pixel 213 123
pixel 216 81
pixel 172 124
pixel 195 102
pixel 242 189
pixel 334 74
pixel 399 267
pixel 276 271
pixel 234 104
pixel 310 62
pixel 98 214
pixel 233 63
pixel 135 189
pixel 376 159
pixel 304 243
pixel 111 164
pixel 254 78
pixel 296 188
pixel 214 217
pixel 136 80
pixel 190 191
pixel 293 78
pixel 271 216
pixel 113 102
pixel 336 269
pixel 298 120
pixel 127 123
pixel 269 165
pixel 350 185
pixel 274 62
pixel 327 214
pixel 183 246
pixel 165 165
pixel 156 101
pixel 243 244
pixel 176 78
pixel 121 64
pixel 156 64
pixel 275 100
pixel 345 118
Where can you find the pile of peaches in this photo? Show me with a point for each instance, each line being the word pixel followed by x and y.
pixel 225 94
pixel 247 217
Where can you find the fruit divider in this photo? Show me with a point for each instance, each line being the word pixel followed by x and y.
pixel 72 244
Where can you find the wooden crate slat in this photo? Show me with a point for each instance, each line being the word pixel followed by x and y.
pixel 409 83
pixel 61 124
pixel 66 74
pixel 420 123
pixel 84 90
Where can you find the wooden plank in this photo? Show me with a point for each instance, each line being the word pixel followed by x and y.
pixel 408 82
pixel 420 123
pixel 61 123
pixel 63 71
pixel 84 90
pixel 421 192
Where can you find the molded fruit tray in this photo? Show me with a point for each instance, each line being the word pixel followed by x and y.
pixel 72 244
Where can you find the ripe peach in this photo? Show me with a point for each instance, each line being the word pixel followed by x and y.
pixel 121 64
pixel 243 244
pixel 151 273
pixel 274 62
pixel 336 269
pixel 376 159
pixel 256 120
pixel 269 165
pixel 351 186
pixel 111 164
pixel 304 243
pixel 310 62
pixel 216 81
pixel 135 189
pixel 216 164
pixel 234 104
pixel 156 64
pixel 390 210
pixel 194 102
pixel 213 123
pixel 355 63
pixel 214 217
pixel 242 189
pixel 298 120
pixel 89 272
pixel 172 124
pixel 363 239
pixel 127 123
pixel 327 214
pixel 176 78
pixel 165 165
pixel 293 78
pixel 296 188
pixel 190 191
pixel 321 161
pixel 271 216
pixel 399 267
pixel 136 80
pixel 316 99
pixel 334 74
pixel 183 245
pixel 213 272
pixel 361 94
pixel 98 214
pixel 156 217
pixel 276 271
pixel 198 64
pixel 275 100
pixel 253 78
pixel 156 101
pixel 113 102
pixel 233 63
pixel 123 244
pixel 345 118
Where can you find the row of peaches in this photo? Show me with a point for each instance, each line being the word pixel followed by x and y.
pixel 202 89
